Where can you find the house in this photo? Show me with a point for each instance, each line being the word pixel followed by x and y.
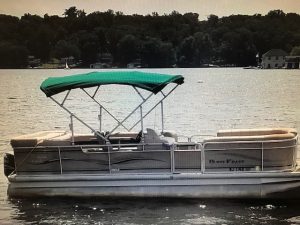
pixel 273 59
pixel 135 64
pixel 70 60
pixel 33 62
pixel 105 60
pixel 292 62
pixel 99 65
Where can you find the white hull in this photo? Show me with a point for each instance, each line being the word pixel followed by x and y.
pixel 240 185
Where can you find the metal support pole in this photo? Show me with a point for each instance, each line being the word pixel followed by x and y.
pixel 142 122
pixel 109 160
pixel 162 93
pixel 72 128
pixel 96 91
pixel 100 119
pixel 172 154
pixel 162 116
pixel 60 163
pixel 68 111
pixel 139 93
pixel 262 156
pixel 120 123
pixel 66 97
pixel 165 96
pixel 202 158
pixel 133 111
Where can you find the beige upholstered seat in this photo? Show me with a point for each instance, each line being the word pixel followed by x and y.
pixel 49 138
pixel 31 140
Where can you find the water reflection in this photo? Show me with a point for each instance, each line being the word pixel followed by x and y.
pixel 153 211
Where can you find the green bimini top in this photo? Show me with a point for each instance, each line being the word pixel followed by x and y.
pixel 153 82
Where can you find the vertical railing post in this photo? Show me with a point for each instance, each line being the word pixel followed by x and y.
pixel 60 163
pixel 109 162
pixel 72 128
pixel 100 119
pixel 295 155
pixel 172 159
pixel 262 156
pixel 142 127
pixel 142 121
pixel 162 116
pixel 202 158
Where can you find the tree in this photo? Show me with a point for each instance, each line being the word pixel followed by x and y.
pixel 212 19
pixel 66 49
pixel 186 52
pixel 87 43
pixel 237 48
pixel 12 55
pixel 276 13
pixel 157 54
pixel 234 39
pixel 295 51
pixel 128 48
pixel 203 48
pixel 71 12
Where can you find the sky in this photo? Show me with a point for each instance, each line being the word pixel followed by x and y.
pixel 202 7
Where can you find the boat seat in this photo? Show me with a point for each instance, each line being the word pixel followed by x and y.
pixel 256 132
pixel 32 140
pixel 154 138
pixel 170 134
pixel 279 137
pixel 52 138
pixel 125 138
pixel 66 140
pixel 251 138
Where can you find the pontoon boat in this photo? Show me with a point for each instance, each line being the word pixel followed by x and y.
pixel 245 163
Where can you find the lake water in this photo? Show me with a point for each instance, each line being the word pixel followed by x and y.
pixel 209 100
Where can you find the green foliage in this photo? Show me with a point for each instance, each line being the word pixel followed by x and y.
pixel 156 40
pixel 128 48
pixel 157 54
pixel 12 55
pixel 66 49
pixel 295 51
pixel 72 12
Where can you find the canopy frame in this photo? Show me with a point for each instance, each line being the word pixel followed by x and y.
pixel 152 82
pixel 143 115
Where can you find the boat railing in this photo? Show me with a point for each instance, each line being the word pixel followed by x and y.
pixel 192 137
pixel 195 159
pixel 262 148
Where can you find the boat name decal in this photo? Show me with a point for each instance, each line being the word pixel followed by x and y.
pixel 226 161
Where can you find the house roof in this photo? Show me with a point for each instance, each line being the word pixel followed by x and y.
pixel 275 52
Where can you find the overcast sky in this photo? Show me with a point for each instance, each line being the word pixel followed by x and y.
pixel 202 7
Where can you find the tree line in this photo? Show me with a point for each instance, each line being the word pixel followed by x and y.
pixel 156 40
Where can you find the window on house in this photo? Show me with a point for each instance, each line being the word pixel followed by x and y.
pixel 276 65
pixel 276 57
pixel 269 58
